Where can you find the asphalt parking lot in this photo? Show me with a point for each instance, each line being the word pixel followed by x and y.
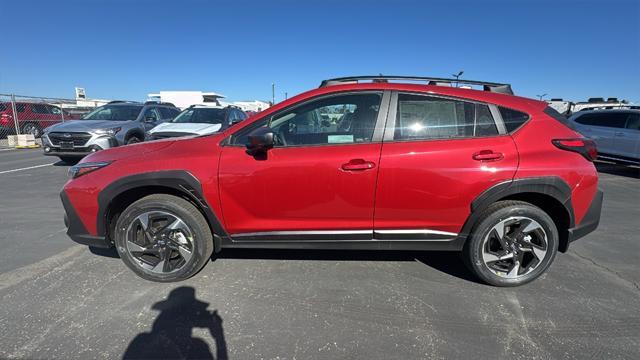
pixel 59 300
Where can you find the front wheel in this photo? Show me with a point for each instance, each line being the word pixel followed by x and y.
pixel 163 238
pixel 133 140
pixel 513 243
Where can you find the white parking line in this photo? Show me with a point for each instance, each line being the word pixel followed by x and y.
pixel 26 168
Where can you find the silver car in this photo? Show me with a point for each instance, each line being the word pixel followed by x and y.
pixel 616 132
pixel 117 123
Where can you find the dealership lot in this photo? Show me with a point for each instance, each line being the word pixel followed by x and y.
pixel 61 300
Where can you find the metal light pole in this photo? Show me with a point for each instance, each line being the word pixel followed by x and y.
pixel 457 76
pixel 273 93
pixel 286 95
pixel 541 96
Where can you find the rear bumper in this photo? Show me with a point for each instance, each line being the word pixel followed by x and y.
pixel 75 228
pixel 590 221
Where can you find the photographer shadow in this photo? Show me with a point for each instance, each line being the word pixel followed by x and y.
pixel 171 333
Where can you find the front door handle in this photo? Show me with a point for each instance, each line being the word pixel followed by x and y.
pixel 619 134
pixel 358 165
pixel 487 155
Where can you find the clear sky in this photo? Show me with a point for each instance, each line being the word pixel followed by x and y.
pixel 127 49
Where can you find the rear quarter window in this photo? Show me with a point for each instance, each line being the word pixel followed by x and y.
pixel 513 119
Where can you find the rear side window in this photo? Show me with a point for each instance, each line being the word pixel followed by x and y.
pixel 424 117
pixel 614 120
pixel 633 122
pixel 39 109
pixel 3 107
pixel 513 119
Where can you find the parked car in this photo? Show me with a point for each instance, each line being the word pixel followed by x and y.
pixel 404 166
pixel 117 123
pixel 616 133
pixel 33 117
pixel 198 120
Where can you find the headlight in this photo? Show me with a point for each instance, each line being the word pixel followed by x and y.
pixel 85 168
pixel 110 132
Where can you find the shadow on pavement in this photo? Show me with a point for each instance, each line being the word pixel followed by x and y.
pixel 448 262
pixel 170 336
pixel 619 170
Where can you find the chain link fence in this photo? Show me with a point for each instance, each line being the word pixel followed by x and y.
pixel 31 114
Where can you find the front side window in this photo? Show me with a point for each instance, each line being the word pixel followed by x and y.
pixel 150 115
pixel 615 120
pixel 114 112
pixel 342 119
pixel 425 117
pixel 168 113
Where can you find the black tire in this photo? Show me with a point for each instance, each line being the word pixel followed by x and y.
pixel 133 140
pixel 202 239
pixel 479 243
pixel 71 160
pixel 31 128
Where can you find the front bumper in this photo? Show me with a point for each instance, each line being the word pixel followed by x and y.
pixel 75 228
pixel 591 219
pixel 95 143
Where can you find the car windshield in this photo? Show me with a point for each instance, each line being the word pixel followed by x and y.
pixel 114 112
pixel 201 115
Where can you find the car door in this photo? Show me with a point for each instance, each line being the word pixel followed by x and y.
pixel 438 155
pixel 317 183
pixel 601 127
pixel 627 140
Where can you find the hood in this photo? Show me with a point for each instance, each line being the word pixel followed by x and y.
pixel 187 128
pixel 86 125
pixel 122 152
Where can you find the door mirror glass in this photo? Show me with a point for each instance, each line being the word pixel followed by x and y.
pixel 260 141
pixel 149 118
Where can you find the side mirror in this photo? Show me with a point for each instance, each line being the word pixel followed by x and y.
pixel 260 141
pixel 149 119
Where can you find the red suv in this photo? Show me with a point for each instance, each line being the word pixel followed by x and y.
pixel 32 117
pixel 380 163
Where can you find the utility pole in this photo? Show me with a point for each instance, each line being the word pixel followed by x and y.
pixel 273 93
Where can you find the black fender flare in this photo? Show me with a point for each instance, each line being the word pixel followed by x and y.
pixel 549 185
pixel 179 180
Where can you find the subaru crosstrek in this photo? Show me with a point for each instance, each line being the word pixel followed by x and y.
pixel 114 124
pixel 359 163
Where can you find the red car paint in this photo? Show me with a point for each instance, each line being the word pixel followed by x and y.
pixel 425 184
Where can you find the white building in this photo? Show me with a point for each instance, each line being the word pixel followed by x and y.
pixel 255 105
pixel 184 99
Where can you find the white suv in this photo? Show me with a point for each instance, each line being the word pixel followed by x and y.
pixel 198 120
pixel 616 132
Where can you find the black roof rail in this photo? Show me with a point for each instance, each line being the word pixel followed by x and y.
pixel 153 102
pixel 487 86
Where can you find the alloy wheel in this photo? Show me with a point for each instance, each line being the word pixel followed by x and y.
pixel 515 247
pixel 159 242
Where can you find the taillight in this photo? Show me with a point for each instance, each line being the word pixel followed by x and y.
pixel 582 146
pixel 5 118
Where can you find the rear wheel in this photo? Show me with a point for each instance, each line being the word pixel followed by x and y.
pixel 513 243
pixel 163 238
pixel 33 129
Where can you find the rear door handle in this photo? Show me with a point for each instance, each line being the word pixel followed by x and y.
pixel 619 134
pixel 487 155
pixel 358 165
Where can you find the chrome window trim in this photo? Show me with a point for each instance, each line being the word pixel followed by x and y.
pixel 376 235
